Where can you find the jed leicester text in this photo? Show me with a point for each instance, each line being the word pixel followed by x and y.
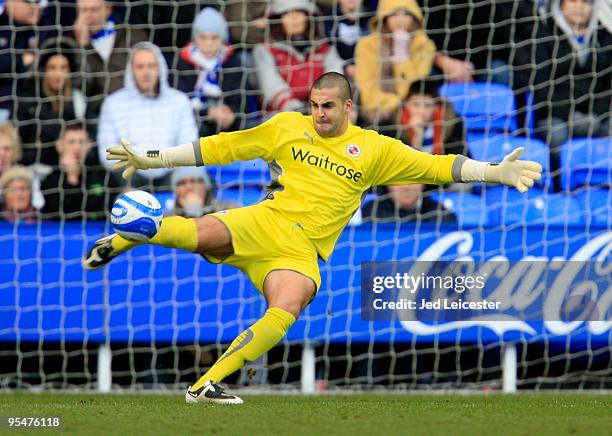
pixel 440 304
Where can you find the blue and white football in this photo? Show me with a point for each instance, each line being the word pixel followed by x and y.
pixel 136 215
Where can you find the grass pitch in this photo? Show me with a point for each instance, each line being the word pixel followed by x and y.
pixel 362 414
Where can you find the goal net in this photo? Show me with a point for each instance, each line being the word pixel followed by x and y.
pixel 158 318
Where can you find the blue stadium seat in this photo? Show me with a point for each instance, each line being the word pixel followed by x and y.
pixel 596 206
pixel 493 148
pixel 484 106
pixel 508 206
pixel 243 195
pixel 586 161
pixel 471 210
pixel 253 172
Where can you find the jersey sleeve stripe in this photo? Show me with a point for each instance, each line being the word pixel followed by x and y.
pixel 197 150
pixel 457 164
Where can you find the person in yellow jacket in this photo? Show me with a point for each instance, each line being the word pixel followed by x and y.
pixel 395 54
pixel 321 167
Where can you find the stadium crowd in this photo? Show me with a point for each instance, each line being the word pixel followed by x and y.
pixel 76 76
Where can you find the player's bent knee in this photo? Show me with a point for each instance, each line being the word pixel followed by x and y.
pixel 214 237
pixel 289 290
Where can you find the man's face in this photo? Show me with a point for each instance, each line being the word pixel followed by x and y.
pixel 73 148
pixel 146 71
pixel 24 12
pixel 208 43
pixel 330 113
pixel 405 196
pixel 189 191
pixel 56 72
pixel 421 107
pixel 94 13
pixel 577 12
pixel 7 152
pixel 18 196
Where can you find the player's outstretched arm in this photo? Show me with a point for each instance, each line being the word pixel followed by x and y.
pixel 221 149
pixel 129 159
pixel 511 172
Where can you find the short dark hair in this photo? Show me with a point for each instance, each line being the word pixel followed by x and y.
pixel 73 125
pixel 334 80
pixel 426 86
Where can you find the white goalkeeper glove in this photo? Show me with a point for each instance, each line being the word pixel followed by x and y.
pixel 520 174
pixel 132 160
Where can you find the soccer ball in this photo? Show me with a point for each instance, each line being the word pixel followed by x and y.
pixel 136 216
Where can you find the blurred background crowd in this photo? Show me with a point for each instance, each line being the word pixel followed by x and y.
pixel 76 76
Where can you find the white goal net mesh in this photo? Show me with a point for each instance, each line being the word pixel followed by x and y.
pixel 166 315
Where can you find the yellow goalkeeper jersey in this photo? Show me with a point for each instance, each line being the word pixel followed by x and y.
pixel 318 182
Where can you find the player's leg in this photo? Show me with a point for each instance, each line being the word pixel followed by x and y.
pixel 287 293
pixel 203 235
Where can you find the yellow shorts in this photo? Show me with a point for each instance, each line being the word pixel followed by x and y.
pixel 264 240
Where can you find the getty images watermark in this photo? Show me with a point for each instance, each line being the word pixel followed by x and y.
pixel 491 290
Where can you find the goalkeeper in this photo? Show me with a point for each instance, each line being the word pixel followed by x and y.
pixel 321 166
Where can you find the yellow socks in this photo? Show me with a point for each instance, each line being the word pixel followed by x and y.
pixel 250 345
pixel 175 232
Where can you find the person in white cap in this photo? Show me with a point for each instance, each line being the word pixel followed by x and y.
pixel 194 193
pixel 211 74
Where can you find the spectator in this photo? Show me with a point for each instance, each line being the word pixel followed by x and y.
pixel 49 100
pixel 11 153
pixel 394 55
pixel 16 190
pixel 572 75
pixel 345 23
pixel 429 123
pixel 157 15
pixel 211 74
pixel 294 56
pixel 10 146
pixel 247 22
pixel 473 38
pixel 194 193
pixel 107 45
pixel 18 40
pixel 406 203
pixel 146 111
pixel 75 190
pixel 519 26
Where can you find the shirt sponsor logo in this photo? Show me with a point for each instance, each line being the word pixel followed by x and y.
pixel 353 150
pixel 325 163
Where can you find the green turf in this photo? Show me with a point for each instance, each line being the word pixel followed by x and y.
pixel 525 414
